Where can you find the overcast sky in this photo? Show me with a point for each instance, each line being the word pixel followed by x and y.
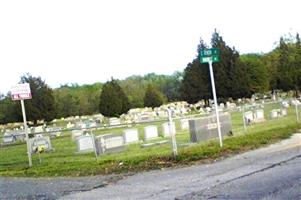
pixel 90 41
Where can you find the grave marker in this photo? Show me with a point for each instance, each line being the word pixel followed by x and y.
pixel 150 132
pixel 205 128
pixel 130 136
pixel 166 130
pixel 109 143
pixel 85 144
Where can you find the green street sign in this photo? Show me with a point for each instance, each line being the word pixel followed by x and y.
pixel 210 55
pixel 210 52
pixel 208 59
pixel 215 59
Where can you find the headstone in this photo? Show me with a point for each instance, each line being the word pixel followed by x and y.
pixel 184 124
pixel 249 118
pixel 285 104
pixel 283 112
pixel 8 138
pixel 166 130
pixel 109 143
pixel 92 125
pixel 259 115
pixel 81 125
pixel 150 132
pixel 130 135
pixel 38 144
pixel 222 106
pixel 273 114
pixel 154 143
pixel 76 133
pixel 85 144
pixel 205 128
pixel 70 125
pixel 54 132
pixel 276 113
pixel 114 121
pixel 19 135
pixel 38 129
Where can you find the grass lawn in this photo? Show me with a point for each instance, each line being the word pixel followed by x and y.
pixel 64 161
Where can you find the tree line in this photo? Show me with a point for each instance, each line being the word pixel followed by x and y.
pixel 236 76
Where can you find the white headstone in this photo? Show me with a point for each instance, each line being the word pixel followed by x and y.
pixel 130 135
pixel 109 143
pixel 8 138
pixel 70 125
pixel 76 133
pixel 39 143
pixel 259 115
pixel 85 144
pixel 249 117
pixel 114 142
pixel 273 114
pixel 184 124
pixel 114 121
pixel 150 132
pixel 166 130
pixel 283 112
pixel 38 129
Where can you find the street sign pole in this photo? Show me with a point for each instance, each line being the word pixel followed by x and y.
pixel 26 132
pixel 215 103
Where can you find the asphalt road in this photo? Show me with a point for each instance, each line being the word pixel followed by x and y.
pixel 273 172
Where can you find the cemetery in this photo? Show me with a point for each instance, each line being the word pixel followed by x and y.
pixel 142 134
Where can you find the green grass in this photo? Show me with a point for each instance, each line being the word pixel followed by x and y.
pixel 64 161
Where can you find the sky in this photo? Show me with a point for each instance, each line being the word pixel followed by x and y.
pixel 72 41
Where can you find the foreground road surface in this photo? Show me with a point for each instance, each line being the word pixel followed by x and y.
pixel 273 172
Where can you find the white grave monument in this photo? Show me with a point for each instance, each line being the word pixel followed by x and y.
pixel 130 135
pixel 114 121
pixel 85 144
pixel 259 115
pixel 76 133
pixel 8 138
pixel 249 117
pixel 184 124
pixel 109 143
pixel 273 114
pixel 70 125
pixel 166 131
pixel 39 144
pixel 150 132
pixel 38 129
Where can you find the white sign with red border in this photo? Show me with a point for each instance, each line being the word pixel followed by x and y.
pixel 21 91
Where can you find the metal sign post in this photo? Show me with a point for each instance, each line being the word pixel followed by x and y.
pixel 209 56
pixel 21 92
pixel 172 134
pixel 215 104
pixel 26 132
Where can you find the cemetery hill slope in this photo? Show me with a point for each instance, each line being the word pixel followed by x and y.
pixel 65 160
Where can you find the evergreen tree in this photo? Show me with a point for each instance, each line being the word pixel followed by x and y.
pixel 285 68
pixel 113 101
pixel 257 78
pixel 298 64
pixel 230 76
pixel 42 104
pixel 196 82
pixel 8 110
pixel 153 97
